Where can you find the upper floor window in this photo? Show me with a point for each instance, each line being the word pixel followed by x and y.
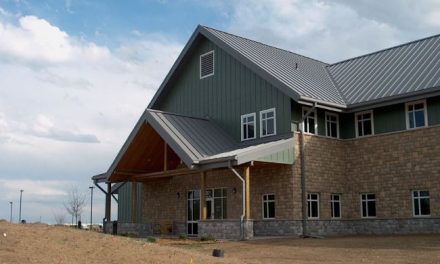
pixel 416 114
pixel 267 122
pixel 331 125
pixel 364 123
pixel 421 205
pixel 310 124
pixel 248 126
pixel 207 64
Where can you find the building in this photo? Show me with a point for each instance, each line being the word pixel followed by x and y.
pixel 221 149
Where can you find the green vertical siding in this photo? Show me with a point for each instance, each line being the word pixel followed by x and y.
pixel 346 126
pixel 232 91
pixel 389 118
pixel 433 111
pixel 283 157
pixel 124 203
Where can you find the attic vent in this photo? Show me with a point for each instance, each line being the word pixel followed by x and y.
pixel 207 64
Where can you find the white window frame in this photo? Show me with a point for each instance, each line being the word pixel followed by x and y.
pixel 356 123
pixel 419 198
pixel 332 202
pixel 425 108
pixel 337 124
pixel 212 200
pixel 255 126
pixel 213 64
pixel 315 117
pixel 309 208
pixel 367 200
pixel 266 203
pixel 274 122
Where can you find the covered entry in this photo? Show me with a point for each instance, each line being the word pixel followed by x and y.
pixel 175 156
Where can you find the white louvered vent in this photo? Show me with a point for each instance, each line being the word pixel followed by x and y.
pixel 207 64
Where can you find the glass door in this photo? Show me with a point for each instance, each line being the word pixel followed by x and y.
pixel 193 215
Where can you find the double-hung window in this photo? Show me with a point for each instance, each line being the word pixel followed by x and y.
pixel 310 124
pixel 268 206
pixel 368 205
pixel 313 205
pixel 416 114
pixel 331 125
pixel 421 206
pixel 248 126
pixel 268 122
pixel 335 202
pixel 364 123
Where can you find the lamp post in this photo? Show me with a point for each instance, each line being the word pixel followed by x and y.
pixel 19 214
pixel 10 217
pixel 91 206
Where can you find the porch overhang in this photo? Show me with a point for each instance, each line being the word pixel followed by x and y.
pixel 165 144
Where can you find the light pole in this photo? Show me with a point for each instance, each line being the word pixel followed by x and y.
pixel 10 217
pixel 19 214
pixel 91 206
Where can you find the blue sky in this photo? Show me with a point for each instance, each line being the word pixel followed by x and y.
pixel 76 75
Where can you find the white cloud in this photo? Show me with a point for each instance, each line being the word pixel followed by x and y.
pixel 58 92
pixel 334 30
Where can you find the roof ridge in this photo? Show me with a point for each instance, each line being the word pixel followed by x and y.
pixel 333 82
pixel 175 114
pixel 383 50
pixel 267 45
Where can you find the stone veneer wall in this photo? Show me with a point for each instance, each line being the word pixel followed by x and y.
pixel 389 165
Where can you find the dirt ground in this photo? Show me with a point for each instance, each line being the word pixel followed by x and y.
pixel 37 243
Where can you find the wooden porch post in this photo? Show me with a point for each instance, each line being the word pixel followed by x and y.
pixel 203 194
pixel 134 202
pixel 108 202
pixel 247 179
pixel 165 156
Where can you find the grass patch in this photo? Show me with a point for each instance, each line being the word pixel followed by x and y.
pixel 151 239
pixel 207 238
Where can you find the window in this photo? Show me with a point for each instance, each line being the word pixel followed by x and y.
pixel 421 205
pixel 207 64
pixel 268 123
pixel 368 205
pixel 310 124
pixel 313 205
pixel 216 203
pixel 335 203
pixel 331 125
pixel 268 206
pixel 248 126
pixel 364 123
pixel 416 114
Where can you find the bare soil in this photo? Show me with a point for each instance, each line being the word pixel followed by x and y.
pixel 37 243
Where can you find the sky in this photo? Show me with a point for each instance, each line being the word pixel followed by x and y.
pixel 75 75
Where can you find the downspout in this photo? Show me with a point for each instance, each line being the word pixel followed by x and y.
pixel 303 173
pixel 244 200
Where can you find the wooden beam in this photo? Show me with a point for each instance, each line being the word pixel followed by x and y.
pixel 134 202
pixel 203 194
pixel 161 174
pixel 247 179
pixel 165 156
pixel 108 202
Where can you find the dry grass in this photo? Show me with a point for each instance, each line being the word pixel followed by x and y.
pixel 49 244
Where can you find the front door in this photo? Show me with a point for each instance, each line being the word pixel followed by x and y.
pixel 193 215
